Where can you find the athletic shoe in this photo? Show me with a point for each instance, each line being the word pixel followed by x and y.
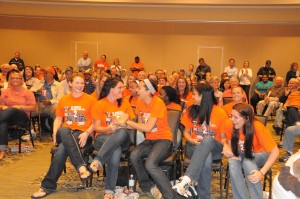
pixel 285 157
pixel 155 193
pixel 182 187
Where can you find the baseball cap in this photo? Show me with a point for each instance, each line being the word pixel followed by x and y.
pixel 88 71
pixel 123 69
pixel 50 70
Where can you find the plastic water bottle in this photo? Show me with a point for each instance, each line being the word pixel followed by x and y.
pixel 131 184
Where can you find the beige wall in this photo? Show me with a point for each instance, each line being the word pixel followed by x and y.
pixel 168 45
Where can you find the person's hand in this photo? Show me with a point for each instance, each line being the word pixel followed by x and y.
pixel 195 141
pixel 113 127
pixel 255 176
pixel 227 151
pixel 83 138
pixel 121 121
pixel 3 107
pixel 266 99
pixel 46 102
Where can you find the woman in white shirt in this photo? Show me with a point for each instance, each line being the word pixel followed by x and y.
pixel 245 76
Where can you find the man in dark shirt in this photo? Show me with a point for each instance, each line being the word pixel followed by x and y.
pixel 268 70
pixel 18 61
pixel 202 69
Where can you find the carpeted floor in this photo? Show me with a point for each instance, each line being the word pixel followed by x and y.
pixel 21 174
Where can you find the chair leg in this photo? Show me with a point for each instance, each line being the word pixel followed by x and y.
pixel 221 180
pixel 20 140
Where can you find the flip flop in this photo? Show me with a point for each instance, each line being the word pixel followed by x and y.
pixel 93 167
pixel 87 178
pixel 41 196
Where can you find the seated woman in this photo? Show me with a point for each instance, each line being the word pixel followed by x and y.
pixel 133 97
pixel 71 132
pixel 170 97
pixel 251 151
pixel 183 90
pixel 204 122
pixel 110 140
pixel 215 83
pixel 30 80
pixel 237 97
pixel 16 104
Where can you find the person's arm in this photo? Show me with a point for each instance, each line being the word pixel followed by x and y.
pixel 147 127
pixel 103 129
pixel 56 125
pixel 188 137
pixel 257 175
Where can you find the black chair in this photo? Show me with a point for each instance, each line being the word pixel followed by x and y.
pixel 227 100
pixel 21 130
pixel 174 157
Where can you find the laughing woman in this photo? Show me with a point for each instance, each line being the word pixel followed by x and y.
pixel 110 139
pixel 71 131
pixel 251 151
pixel 15 104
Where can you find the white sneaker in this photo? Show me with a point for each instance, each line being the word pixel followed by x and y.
pixel 155 193
pixel 182 187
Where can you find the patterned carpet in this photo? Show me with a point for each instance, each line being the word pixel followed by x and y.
pixel 70 180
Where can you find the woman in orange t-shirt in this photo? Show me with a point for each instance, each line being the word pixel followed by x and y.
pixel 183 90
pixel 251 151
pixel 133 97
pixel 170 97
pixel 71 132
pixel 152 119
pixel 110 138
pixel 237 97
pixel 204 125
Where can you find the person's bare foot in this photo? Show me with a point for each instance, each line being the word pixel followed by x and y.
pixel 95 166
pixel 41 193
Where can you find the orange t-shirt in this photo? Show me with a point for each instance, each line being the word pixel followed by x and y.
pixel 262 139
pixel 77 112
pixel 215 128
pixel 103 65
pixel 174 106
pixel 133 101
pixel 156 109
pixel 136 68
pixel 106 112
pixel 126 92
pixel 188 98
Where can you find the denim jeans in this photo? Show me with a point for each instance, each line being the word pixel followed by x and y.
pixel 155 151
pixel 244 166
pixel 289 137
pixel 110 148
pixel 9 117
pixel 67 141
pixel 202 157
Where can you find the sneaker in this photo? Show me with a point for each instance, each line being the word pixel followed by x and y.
pixel 182 187
pixel 285 157
pixel 277 129
pixel 155 193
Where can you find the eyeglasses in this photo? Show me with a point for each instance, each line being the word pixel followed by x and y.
pixel 15 78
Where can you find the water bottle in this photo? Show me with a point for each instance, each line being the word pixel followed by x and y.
pixel 131 184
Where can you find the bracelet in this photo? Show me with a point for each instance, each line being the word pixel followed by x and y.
pixel 261 173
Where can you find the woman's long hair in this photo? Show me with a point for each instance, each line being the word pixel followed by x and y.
pixel 186 89
pixel 98 87
pixel 246 112
pixel 203 112
pixel 172 94
pixel 109 84
pixel 32 72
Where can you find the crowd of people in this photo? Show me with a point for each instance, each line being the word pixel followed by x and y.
pixel 91 104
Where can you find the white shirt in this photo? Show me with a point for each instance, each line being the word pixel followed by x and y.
pixel 245 80
pixel 231 71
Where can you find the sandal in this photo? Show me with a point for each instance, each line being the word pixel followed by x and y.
pixel 85 176
pixel 2 154
pixel 108 196
pixel 41 193
pixel 95 166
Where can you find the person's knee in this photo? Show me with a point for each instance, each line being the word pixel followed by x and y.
pixel 248 166
pixel 134 156
pixel 150 166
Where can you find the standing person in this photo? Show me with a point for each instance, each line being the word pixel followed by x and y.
pixel 204 122
pixel 293 72
pixel 84 62
pixel 202 69
pixel 72 130
pixel 231 70
pixel 251 151
pixel 245 76
pixel 136 66
pixel 110 139
pixel 17 61
pixel 117 66
pixel 16 103
pixel 266 70
pixel 101 64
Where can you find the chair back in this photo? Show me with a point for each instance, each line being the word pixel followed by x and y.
pixel 262 119
pixel 227 100
pixel 173 121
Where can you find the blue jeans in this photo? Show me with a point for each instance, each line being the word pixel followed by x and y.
pixel 244 166
pixel 67 141
pixel 9 117
pixel 202 157
pixel 289 137
pixel 155 151
pixel 110 148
